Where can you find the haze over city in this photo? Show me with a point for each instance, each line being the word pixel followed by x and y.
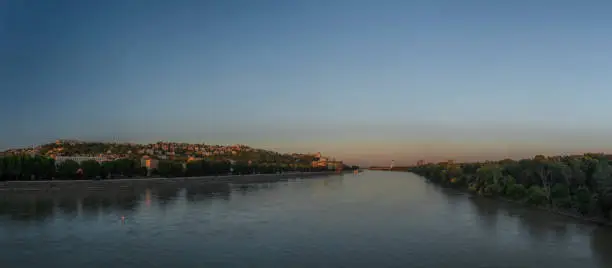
pixel 365 81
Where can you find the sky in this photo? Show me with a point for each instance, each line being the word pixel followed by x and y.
pixel 362 80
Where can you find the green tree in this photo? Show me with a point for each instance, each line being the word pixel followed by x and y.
pixel 164 168
pixel 516 191
pixel 578 176
pixel 536 195
pixel 543 170
pixel 28 167
pixel 560 172
pixel 68 169
pixel 13 167
pixel 454 174
pixel 107 169
pixel 560 195
pixel 241 168
pixel 125 167
pixel 488 179
pixel 47 168
pixel 91 169
pixel 602 178
pixel 195 168
pixel 589 166
pixel 220 167
pixel 3 175
pixel 583 200
pixel 170 168
pixel 177 169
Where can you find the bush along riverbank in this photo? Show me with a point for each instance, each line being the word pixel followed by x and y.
pixel 577 186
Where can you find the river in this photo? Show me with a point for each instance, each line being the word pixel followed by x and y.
pixel 374 219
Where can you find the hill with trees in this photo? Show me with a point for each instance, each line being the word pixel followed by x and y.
pixel 124 160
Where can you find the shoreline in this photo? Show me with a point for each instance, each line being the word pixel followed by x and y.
pixel 568 214
pixel 53 186
pixel 554 211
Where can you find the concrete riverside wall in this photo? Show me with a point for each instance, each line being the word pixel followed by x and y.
pixel 102 185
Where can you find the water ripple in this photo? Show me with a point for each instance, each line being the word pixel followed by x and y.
pixel 376 219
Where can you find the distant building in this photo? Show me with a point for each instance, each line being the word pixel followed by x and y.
pixel 191 158
pixel 79 159
pixel 335 165
pixel 149 163
pixel 320 162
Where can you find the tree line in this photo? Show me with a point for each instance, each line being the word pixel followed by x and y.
pixel 578 185
pixel 26 167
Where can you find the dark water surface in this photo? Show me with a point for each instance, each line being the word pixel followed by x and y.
pixel 375 219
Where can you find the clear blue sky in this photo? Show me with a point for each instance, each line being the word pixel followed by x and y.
pixel 375 80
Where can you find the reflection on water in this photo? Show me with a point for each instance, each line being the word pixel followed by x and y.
pixel 26 209
pixel 166 195
pixel 333 182
pixel 201 192
pixel 545 230
pixel 376 219
pixel 488 213
pixel 29 207
pixel 600 244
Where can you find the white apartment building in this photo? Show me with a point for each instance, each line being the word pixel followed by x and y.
pixel 79 159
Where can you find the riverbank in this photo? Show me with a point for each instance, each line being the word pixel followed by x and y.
pixel 593 220
pixel 576 185
pixel 554 211
pixel 127 184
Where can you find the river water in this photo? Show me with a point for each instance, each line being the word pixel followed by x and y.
pixel 374 219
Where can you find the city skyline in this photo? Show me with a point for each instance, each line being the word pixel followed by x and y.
pixel 365 81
